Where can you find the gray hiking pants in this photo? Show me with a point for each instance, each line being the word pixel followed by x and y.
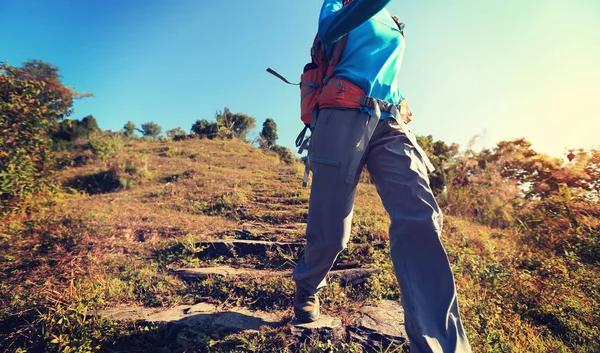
pixel 399 171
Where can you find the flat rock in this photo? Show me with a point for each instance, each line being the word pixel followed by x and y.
pixel 323 321
pixel 380 327
pixel 223 271
pixel 234 319
pixel 347 276
pixel 387 318
pixel 242 319
pixel 240 247
pixel 123 313
pixel 328 328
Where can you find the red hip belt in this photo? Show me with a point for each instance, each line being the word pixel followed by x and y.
pixel 340 93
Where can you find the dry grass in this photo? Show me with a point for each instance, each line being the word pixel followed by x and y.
pixel 517 292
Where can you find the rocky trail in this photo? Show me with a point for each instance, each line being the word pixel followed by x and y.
pixel 264 247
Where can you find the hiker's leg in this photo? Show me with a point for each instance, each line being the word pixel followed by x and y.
pixel 332 148
pixel 428 291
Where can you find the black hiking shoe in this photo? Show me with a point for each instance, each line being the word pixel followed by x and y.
pixel 306 305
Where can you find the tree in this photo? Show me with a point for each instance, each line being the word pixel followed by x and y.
pixel 537 174
pixel 173 133
pixel 32 102
pixel 71 130
pixel 151 129
pixel 204 128
pixel 87 126
pixel 129 129
pixel 592 169
pixel 442 157
pixel 240 124
pixel 52 92
pixel 268 135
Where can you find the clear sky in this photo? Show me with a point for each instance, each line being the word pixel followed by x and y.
pixel 500 69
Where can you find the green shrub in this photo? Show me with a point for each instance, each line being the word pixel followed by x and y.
pixel 30 109
pixel 105 146
pixel 284 153
pixel 132 171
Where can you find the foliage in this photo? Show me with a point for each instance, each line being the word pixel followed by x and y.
pixel 585 173
pixel 204 128
pixel 129 129
pixel 151 129
pixel 526 266
pixel 442 157
pixel 268 135
pixel 71 130
pixel 175 133
pixel 239 124
pixel 52 93
pixel 32 102
pixel 479 192
pixel 284 153
pixel 104 146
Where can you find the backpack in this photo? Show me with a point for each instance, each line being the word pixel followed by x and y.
pixel 314 78
pixel 315 74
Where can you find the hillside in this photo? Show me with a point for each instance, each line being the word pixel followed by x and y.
pixel 126 239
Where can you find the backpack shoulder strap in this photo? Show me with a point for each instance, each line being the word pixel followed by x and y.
pixel 338 48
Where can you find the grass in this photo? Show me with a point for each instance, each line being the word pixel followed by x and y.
pixel 530 285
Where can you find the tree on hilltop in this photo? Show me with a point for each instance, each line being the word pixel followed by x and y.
pixel 129 129
pixel 174 133
pixel 151 129
pixel 204 128
pixel 239 123
pixel 268 136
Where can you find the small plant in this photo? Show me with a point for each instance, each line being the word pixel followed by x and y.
pixel 105 146
pixel 132 171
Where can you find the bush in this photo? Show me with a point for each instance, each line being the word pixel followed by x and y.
pixel 480 193
pixel 27 116
pixel 175 133
pixel 204 128
pixel 105 146
pixel 121 173
pixel 71 130
pixel 238 124
pixel 284 153
pixel 132 171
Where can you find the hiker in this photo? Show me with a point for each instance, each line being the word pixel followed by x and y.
pixel 361 120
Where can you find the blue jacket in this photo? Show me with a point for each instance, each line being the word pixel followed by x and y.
pixel 373 53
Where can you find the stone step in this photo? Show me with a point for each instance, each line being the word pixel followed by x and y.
pixel 264 233
pixel 241 247
pixel 287 227
pixel 274 206
pixel 289 201
pixel 351 276
pixel 279 253
pixel 237 319
pixel 377 328
pixel 276 216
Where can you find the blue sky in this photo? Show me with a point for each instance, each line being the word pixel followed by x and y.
pixel 501 70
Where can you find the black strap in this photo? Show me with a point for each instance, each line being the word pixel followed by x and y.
pixel 276 74
pixel 300 138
